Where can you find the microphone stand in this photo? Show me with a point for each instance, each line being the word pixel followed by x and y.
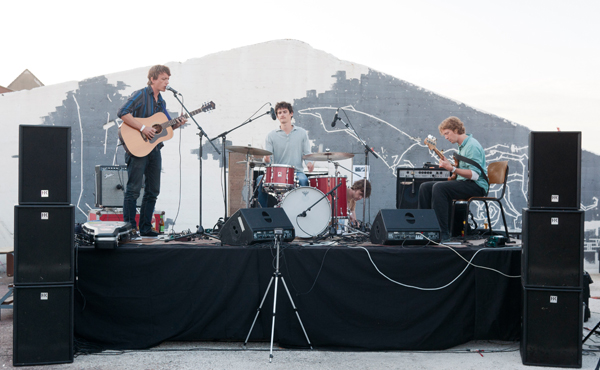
pixel 200 134
pixel 367 151
pixel 223 137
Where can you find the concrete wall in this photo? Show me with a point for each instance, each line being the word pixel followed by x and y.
pixel 391 115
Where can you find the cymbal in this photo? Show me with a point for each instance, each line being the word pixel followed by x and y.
pixel 328 156
pixel 247 150
pixel 253 163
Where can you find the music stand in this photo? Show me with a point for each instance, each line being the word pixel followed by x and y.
pixel 276 276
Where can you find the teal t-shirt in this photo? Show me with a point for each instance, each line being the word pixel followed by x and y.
pixel 471 149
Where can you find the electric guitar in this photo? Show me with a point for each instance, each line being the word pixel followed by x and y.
pixel 430 141
pixel 139 145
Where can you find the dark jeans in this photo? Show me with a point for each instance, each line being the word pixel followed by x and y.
pixel 438 195
pixel 263 197
pixel 137 168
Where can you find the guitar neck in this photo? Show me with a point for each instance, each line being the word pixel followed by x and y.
pixel 439 154
pixel 174 120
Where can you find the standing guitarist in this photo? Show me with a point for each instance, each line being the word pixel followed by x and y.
pixel 143 104
pixel 470 179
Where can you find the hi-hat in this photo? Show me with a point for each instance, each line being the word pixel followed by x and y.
pixel 247 150
pixel 328 156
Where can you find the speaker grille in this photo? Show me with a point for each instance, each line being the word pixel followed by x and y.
pixel 552 248
pixel 554 170
pixel 44 164
pixel 43 325
pixel 44 237
pixel 552 327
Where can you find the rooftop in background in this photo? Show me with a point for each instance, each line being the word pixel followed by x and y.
pixel 25 81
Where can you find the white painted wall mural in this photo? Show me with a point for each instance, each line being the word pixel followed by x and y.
pixel 391 115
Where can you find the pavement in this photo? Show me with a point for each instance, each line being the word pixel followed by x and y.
pixel 232 356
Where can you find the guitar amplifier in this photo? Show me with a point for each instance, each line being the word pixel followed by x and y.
pixel 409 181
pixel 111 182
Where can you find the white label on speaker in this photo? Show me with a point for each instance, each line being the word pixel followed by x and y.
pixel 44 296
pixel 45 193
pixel 45 215
pixel 555 198
pixel 554 221
pixel 553 299
pixel 241 224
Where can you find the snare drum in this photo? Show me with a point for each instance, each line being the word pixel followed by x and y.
pixel 316 220
pixel 279 178
pixel 326 184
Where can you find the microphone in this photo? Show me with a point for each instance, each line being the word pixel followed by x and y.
pixel 173 90
pixel 303 214
pixel 335 118
pixel 273 114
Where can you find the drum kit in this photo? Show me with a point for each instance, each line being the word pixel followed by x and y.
pixel 311 209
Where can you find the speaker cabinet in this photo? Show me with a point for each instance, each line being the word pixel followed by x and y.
pixel 43 325
pixel 44 164
pixel 111 182
pixel 552 327
pixel 256 225
pixel 43 238
pixel 405 226
pixel 554 170
pixel 552 248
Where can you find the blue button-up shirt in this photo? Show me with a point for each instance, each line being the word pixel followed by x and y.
pixel 142 104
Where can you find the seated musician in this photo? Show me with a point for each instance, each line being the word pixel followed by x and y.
pixel 288 144
pixel 355 193
pixel 438 195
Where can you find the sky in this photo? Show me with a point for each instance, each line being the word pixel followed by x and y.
pixel 534 62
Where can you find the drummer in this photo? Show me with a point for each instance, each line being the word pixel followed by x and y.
pixel 288 144
pixel 355 193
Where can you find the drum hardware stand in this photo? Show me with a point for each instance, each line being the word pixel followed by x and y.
pixel 367 151
pixel 223 137
pixel 276 276
pixel 200 134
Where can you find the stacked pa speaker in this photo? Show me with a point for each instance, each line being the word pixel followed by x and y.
pixel 44 241
pixel 552 258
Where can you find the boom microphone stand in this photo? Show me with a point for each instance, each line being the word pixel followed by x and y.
pixel 276 276
pixel 223 137
pixel 200 134
pixel 367 151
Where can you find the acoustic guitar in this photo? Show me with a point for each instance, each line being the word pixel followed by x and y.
pixel 431 141
pixel 139 145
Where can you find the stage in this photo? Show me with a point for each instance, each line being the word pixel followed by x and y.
pixel 140 295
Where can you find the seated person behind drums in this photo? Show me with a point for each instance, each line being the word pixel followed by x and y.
pixel 288 144
pixel 354 194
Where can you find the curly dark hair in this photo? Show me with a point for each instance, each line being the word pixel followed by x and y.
pixel 360 185
pixel 284 105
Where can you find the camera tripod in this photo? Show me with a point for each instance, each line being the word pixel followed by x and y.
pixel 276 276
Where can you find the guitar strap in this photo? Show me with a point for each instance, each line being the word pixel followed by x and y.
pixel 472 162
